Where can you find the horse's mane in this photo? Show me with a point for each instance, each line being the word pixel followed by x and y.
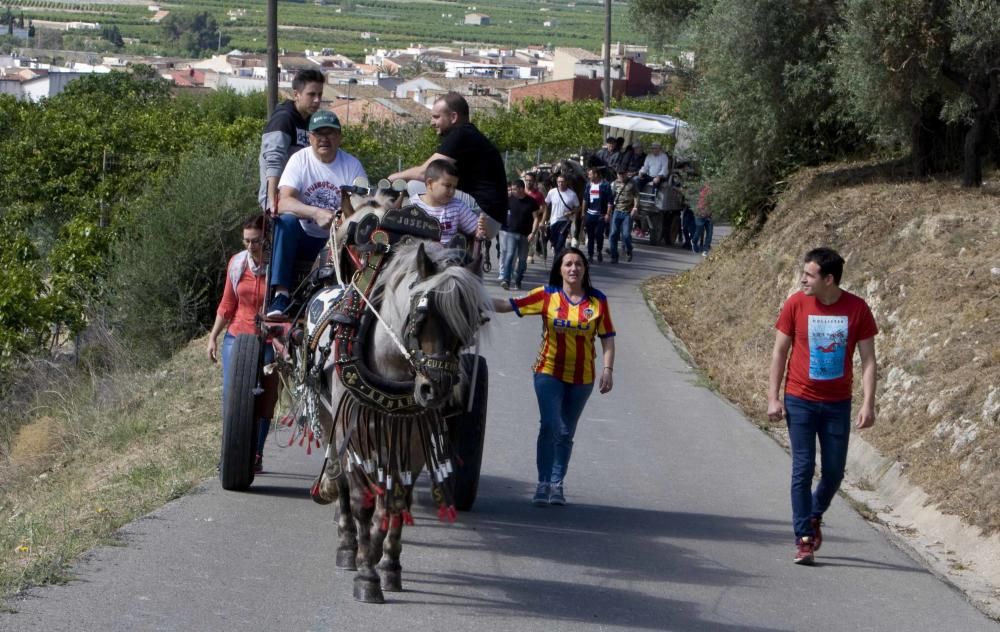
pixel 459 295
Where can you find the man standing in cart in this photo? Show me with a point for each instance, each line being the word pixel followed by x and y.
pixel 482 178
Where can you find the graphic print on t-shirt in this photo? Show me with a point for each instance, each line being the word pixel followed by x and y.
pixel 827 347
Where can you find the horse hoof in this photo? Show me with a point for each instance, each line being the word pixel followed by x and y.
pixel 347 560
pixel 392 581
pixel 316 493
pixel 368 592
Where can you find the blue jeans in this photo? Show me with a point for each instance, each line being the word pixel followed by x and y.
pixel 515 260
pixel 621 224
pixel 558 232
pixel 702 230
pixel 227 346
pixel 291 244
pixel 594 225
pixel 560 405
pixel 831 422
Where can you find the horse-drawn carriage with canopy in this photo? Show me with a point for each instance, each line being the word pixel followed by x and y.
pixel 375 360
pixel 660 207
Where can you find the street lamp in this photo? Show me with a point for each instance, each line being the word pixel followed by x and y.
pixel 350 82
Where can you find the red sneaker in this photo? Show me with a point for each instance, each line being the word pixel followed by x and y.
pixel 804 549
pixel 815 521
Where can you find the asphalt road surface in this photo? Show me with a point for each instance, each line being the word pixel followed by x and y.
pixel 678 519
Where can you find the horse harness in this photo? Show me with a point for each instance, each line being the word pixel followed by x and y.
pixel 379 416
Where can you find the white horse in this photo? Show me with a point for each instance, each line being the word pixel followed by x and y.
pixel 429 307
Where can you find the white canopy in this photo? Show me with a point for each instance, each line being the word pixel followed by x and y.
pixel 642 122
pixel 645 123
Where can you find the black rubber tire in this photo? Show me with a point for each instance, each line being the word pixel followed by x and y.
pixel 239 423
pixel 655 228
pixel 467 432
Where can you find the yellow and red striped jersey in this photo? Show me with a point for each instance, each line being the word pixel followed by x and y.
pixel 568 331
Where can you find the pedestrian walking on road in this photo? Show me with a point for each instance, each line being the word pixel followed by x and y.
pixel 821 325
pixel 573 314
pixel 242 298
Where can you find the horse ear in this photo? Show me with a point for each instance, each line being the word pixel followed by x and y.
pixel 425 265
pixel 476 265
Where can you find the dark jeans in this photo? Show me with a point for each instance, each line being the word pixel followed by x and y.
pixel 807 420
pixel 621 227
pixel 594 225
pixel 291 244
pixel 702 234
pixel 560 405
pixel 558 233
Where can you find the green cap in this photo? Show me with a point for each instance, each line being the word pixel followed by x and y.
pixel 323 118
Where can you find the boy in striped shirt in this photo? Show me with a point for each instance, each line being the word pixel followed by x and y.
pixel 441 178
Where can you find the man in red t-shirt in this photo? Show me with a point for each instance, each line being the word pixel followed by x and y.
pixel 821 325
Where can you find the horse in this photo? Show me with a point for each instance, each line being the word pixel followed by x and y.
pixel 430 305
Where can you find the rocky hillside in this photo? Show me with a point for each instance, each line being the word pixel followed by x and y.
pixel 926 256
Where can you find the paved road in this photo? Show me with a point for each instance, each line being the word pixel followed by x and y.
pixel 679 520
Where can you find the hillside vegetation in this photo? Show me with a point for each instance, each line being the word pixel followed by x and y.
pixel 925 257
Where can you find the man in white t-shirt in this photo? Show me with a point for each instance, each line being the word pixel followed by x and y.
pixel 655 168
pixel 309 202
pixel 562 207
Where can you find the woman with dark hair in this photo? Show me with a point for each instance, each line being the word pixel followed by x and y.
pixel 242 299
pixel 573 314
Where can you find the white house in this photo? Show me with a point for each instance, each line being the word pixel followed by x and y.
pixel 477 19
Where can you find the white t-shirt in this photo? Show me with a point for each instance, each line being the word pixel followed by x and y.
pixel 318 183
pixel 454 216
pixel 558 208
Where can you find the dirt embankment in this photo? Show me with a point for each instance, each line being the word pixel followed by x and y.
pixel 926 257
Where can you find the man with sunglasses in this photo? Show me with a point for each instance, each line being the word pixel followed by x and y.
pixel 309 201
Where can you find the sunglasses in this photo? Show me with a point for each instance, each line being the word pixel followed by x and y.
pixel 254 242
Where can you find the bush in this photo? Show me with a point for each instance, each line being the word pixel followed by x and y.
pixel 169 268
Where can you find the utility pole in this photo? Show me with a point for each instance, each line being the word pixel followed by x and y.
pixel 607 56
pixel 272 56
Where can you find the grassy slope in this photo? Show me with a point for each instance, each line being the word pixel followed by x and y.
pixel 100 454
pixel 921 254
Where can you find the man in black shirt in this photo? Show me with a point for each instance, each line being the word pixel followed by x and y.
pixel 481 174
pixel 522 220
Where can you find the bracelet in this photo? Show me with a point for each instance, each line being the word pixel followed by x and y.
pixel 609 368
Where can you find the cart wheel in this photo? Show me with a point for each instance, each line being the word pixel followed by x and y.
pixel 655 229
pixel 239 421
pixel 467 431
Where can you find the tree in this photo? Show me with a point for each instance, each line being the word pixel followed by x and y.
pixel 763 103
pixel 921 70
pixel 194 33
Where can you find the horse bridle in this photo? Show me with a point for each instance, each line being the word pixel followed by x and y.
pixel 439 368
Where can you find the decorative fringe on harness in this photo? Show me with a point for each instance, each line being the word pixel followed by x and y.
pixel 380 452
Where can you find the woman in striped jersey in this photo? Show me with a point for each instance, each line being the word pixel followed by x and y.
pixel 573 313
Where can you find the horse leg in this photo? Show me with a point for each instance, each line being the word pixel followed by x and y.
pixel 389 568
pixel 347 529
pixel 367 586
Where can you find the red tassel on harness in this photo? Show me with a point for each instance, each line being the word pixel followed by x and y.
pixel 385 524
pixel 459 461
pixel 287 420
pixel 314 491
pixel 396 522
pixel 407 518
pixel 309 446
pixel 367 499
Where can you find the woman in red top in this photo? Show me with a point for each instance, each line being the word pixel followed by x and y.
pixel 241 301
pixel 573 313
